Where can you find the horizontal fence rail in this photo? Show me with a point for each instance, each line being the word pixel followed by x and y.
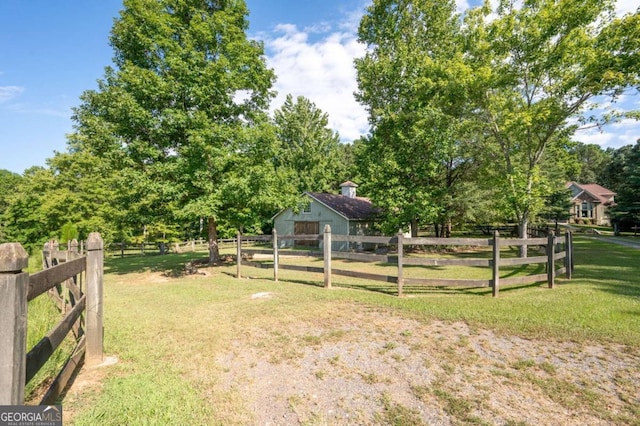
pixel 555 248
pixel 123 249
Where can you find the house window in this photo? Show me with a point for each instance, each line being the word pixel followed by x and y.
pixel 306 208
pixel 587 210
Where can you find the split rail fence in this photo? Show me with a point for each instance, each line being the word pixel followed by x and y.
pixel 556 249
pixel 123 249
pixel 62 279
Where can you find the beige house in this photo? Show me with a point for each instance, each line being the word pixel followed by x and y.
pixel 590 202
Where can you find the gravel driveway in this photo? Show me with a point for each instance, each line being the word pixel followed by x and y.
pixel 365 366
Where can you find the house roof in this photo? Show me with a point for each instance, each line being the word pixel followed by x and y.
pixel 593 190
pixel 357 208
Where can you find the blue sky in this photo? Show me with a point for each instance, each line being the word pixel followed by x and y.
pixel 52 51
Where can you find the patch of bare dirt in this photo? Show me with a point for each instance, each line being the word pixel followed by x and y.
pixel 371 367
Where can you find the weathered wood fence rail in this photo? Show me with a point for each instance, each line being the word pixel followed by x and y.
pixel 63 269
pixel 123 249
pixel 199 245
pixel 556 249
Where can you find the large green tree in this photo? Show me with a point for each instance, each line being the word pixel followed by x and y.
pixel 420 147
pixel 537 65
pixel 308 147
pixel 182 111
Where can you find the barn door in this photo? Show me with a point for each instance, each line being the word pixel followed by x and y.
pixel 306 228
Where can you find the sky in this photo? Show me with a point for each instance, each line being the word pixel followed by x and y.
pixel 52 51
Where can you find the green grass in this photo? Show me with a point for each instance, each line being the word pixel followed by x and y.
pixel 167 332
pixel 42 316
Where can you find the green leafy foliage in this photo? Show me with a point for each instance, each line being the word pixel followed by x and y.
pixel 421 147
pixel 592 162
pixel 68 232
pixel 308 148
pixel 8 183
pixel 501 92
pixel 183 114
pixel 626 212
pixel 539 65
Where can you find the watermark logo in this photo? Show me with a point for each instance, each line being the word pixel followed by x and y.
pixel 30 415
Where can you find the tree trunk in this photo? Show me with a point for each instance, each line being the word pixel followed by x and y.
pixel 414 228
pixel 447 230
pixel 214 252
pixel 523 227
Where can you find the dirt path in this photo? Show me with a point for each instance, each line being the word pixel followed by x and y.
pixel 633 244
pixel 370 367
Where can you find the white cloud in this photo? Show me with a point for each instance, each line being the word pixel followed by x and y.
pixel 616 135
pixel 10 92
pixel 321 71
pixel 462 5
pixel 626 6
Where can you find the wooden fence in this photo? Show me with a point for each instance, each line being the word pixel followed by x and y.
pixel 556 249
pixel 62 279
pixel 123 249
pixel 199 245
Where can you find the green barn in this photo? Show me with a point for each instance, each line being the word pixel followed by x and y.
pixel 346 213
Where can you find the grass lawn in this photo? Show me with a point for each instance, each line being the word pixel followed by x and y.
pixel 167 332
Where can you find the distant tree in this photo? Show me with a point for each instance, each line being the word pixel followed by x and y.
pixel 557 206
pixel 85 193
pixel 25 216
pixel 626 211
pixel 9 181
pixel 613 176
pixel 308 147
pixel 68 232
pixel 537 64
pixel 183 114
pixel 592 159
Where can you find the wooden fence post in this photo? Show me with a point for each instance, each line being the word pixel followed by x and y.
pixel 571 244
pixel 46 261
pixel 13 321
pixel 275 255
pixel 568 254
pixel 400 255
pixel 238 254
pixel 551 268
pixel 496 263
pixel 95 278
pixel 327 256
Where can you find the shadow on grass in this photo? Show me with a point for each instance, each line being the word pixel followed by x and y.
pixel 608 267
pixel 148 263
pixel 524 270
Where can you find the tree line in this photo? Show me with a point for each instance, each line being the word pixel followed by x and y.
pixel 471 121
